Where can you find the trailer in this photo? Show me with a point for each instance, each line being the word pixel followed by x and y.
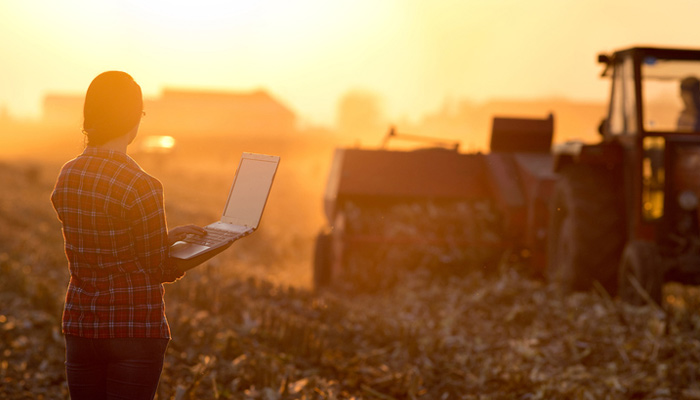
pixel 454 207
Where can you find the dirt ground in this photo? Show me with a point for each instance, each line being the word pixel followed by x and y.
pixel 248 326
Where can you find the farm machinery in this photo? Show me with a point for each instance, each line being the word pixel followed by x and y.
pixel 622 212
pixel 436 207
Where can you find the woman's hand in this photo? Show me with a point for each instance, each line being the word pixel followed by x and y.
pixel 181 232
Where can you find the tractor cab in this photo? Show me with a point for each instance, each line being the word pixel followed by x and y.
pixel 653 90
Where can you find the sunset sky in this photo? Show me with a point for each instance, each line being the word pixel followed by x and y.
pixel 413 54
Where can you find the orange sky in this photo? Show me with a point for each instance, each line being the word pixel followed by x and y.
pixel 413 54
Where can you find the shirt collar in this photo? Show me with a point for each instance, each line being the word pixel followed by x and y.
pixel 106 153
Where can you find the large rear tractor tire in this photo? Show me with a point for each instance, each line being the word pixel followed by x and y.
pixel 586 229
pixel 641 274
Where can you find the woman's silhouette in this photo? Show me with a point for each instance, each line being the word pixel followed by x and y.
pixel 117 245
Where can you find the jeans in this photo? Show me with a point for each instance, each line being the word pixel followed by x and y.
pixel 126 368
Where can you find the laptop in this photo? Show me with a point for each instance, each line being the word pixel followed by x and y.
pixel 243 209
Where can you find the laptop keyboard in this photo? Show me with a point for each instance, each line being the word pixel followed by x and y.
pixel 213 236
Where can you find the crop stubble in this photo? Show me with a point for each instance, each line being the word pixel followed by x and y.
pixel 426 336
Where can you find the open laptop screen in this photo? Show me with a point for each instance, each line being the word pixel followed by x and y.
pixel 249 191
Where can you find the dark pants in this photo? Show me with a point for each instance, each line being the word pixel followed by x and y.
pixel 114 368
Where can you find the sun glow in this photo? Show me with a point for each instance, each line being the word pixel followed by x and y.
pixel 157 144
pixel 416 55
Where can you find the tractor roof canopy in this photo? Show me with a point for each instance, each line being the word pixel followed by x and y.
pixel 654 90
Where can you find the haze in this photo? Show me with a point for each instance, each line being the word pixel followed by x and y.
pixel 413 55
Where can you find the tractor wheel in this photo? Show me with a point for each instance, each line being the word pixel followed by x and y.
pixel 641 264
pixel 322 260
pixel 586 229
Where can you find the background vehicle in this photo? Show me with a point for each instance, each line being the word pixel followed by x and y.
pixel 622 212
pixel 389 210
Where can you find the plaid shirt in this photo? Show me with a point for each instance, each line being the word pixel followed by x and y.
pixel 117 248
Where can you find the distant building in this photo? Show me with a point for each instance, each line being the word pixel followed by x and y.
pixel 192 112
pixel 213 113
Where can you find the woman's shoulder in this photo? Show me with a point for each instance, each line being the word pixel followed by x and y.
pixel 141 179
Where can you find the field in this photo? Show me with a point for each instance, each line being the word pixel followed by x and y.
pixel 247 325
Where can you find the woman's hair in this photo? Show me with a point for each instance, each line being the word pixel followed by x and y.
pixel 113 106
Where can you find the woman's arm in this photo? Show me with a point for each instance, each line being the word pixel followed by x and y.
pixel 181 232
pixel 185 265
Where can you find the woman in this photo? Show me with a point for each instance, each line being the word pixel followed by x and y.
pixel 117 246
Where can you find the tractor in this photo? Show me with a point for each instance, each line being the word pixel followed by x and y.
pixel 621 213
pixel 624 212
